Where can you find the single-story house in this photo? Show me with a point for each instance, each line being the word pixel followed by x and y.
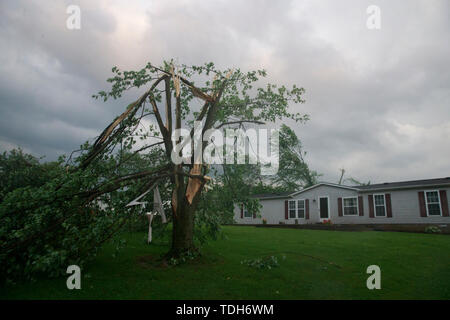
pixel 419 201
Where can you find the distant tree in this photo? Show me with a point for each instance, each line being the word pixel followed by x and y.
pixel 293 173
pixel 351 180
pixel 357 182
pixel 237 184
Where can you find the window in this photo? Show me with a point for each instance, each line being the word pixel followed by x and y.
pixel 296 209
pixel 350 206
pixel 380 205
pixel 247 214
pixel 292 209
pixel 433 203
pixel 301 209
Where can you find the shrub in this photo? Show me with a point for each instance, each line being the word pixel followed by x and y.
pixel 49 219
pixel 432 229
pixel 264 221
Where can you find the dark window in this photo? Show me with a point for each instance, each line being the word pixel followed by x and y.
pixel 301 209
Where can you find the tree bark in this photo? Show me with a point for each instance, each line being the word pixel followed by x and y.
pixel 183 221
pixel 183 231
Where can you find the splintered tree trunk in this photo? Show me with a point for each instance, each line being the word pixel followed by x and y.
pixel 183 231
pixel 184 204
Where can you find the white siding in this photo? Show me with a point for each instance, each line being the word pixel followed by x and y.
pixel 405 208
pixel 272 210
pixel 333 193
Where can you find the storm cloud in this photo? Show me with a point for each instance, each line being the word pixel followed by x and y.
pixel 379 100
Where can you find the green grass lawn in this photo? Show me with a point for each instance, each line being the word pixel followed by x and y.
pixel 317 265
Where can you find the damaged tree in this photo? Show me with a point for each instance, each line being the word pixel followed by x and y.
pixel 226 100
pixel 49 226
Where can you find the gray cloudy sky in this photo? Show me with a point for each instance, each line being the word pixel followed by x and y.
pixel 379 100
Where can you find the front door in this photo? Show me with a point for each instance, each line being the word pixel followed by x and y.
pixel 323 204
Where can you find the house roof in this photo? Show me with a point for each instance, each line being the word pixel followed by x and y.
pixel 367 188
pixel 266 196
pixel 324 184
pixel 406 184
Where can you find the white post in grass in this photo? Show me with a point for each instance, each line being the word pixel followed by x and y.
pixel 150 218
